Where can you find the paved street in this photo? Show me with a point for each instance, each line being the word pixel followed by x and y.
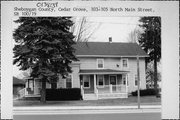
pixel 88 113
pixel 109 116
pixel 84 109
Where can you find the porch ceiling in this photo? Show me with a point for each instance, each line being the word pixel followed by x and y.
pixel 102 71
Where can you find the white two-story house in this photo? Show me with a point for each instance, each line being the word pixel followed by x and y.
pixel 104 70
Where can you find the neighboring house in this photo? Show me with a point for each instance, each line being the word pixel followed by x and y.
pixel 18 84
pixel 104 70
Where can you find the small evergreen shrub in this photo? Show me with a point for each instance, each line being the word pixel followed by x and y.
pixel 145 92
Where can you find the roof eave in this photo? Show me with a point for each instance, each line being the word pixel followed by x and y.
pixel 112 56
pixel 103 73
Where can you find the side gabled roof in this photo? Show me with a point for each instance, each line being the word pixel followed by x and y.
pixel 108 49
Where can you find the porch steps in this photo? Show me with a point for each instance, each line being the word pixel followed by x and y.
pixel 89 97
pixel 111 96
pixel 28 97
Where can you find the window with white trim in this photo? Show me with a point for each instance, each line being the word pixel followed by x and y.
pixel 69 81
pixel 53 85
pixel 124 79
pixel 100 80
pixel 124 63
pixel 136 81
pixel 100 63
pixel 86 81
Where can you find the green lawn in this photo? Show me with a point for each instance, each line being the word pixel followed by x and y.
pixel 146 100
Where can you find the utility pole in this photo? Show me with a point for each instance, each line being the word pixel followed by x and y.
pixel 138 78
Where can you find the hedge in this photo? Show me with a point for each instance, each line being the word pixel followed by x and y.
pixel 145 92
pixel 63 94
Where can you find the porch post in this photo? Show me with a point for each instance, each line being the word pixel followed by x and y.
pixel 110 88
pixel 34 86
pixel 28 82
pixel 95 83
pixel 95 88
pixel 126 83
pixel 26 86
pixel 82 91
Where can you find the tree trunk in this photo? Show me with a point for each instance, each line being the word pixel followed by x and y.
pixel 146 59
pixel 155 66
pixel 155 76
pixel 43 91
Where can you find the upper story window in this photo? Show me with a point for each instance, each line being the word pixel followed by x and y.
pixel 100 63
pixel 125 63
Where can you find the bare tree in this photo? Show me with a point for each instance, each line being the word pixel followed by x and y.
pixel 83 28
pixel 134 35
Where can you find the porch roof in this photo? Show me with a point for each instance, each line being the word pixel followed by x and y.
pixel 102 71
pixel 17 81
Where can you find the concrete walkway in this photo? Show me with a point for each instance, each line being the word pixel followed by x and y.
pixel 85 109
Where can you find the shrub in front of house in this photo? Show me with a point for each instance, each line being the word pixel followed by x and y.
pixel 145 92
pixel 63 94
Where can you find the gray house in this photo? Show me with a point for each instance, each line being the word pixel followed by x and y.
pixel 104 70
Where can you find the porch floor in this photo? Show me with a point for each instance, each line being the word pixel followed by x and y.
pixel 32 95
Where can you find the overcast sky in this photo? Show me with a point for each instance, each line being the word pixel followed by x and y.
pixel 116 27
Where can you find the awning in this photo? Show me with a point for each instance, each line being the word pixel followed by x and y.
pixel 101 71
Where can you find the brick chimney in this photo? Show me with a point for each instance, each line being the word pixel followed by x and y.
pixel 110 39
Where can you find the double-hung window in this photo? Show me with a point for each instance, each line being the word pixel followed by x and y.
pixel 100 63
pixel 100 80
pixel 69 81
pixel 125 63
pixel 53 85
pixel 124 79
pixel 136 81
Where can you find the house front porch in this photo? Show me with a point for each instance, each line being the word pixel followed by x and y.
pixel 32 88
pixel 103 84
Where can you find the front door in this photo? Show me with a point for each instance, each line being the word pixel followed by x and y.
pixel 37 86
pixel 30 88
pixel 113 82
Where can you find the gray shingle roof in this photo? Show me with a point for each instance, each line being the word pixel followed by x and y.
pixel 106 48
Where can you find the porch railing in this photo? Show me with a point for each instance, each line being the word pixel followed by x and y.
pixel 22 92
pixel 111 89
